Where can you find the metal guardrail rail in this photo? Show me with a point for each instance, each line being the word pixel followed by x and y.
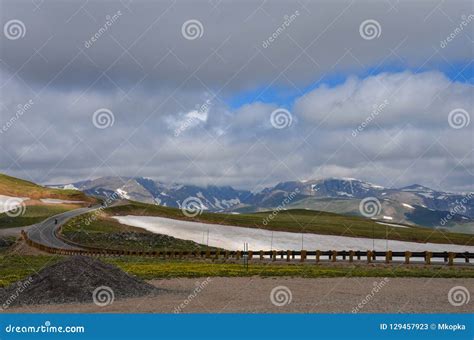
pixel 273 255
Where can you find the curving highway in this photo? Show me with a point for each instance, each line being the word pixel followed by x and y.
pixel 45 232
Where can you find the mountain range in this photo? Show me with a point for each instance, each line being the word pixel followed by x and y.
pixel 414 204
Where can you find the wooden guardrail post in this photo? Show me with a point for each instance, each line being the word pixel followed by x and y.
pixel 428 256
pixel 466 257
pixel 274 255
pixel 288 254
pixel 388 256
pixel 358 255
pixel 261 255
pixel 451 257
pixel 318 255
pixel 407 257
pixel 351 256
pixel 369 256
pixel 303 256
pixel 250 255
pixel 334 256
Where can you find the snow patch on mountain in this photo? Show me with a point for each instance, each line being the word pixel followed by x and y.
pixel 123 194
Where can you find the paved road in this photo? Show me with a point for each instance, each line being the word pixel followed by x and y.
pixel 15 232
pixel 44 232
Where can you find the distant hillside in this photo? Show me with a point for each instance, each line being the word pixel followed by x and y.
pixel 414 204
pixel 36 207
pixel 11 186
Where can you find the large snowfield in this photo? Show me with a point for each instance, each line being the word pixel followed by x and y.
pixel 233 238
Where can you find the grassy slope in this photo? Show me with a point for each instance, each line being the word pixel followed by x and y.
pixel 36 211
pixel 304 221
pixel 11 186
pixel 34 214
pixel 19 267
pixel 108 233
pixel 334 205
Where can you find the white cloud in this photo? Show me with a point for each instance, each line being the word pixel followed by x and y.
pixel 419 99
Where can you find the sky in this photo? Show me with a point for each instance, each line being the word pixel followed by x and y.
pixel 240 93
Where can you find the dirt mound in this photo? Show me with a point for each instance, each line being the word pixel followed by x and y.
pixel 76 279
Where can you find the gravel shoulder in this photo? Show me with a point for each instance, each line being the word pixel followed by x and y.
pixel 252 295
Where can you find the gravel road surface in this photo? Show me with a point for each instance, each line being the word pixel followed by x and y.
pixel 253 295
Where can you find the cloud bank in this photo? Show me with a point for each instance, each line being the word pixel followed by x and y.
pixel 398 112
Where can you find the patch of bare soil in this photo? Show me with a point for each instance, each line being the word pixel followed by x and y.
pixel 21 248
